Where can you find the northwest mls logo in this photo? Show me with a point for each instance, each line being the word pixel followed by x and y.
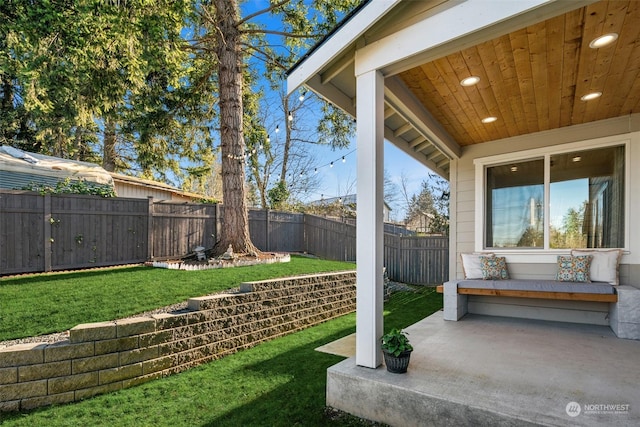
pixel 573 409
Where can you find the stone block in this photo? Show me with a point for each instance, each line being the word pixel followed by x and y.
pixel 116 345
pixel 138 355
pixel 135 326
pixel 86 393
pixel 209 302
pixel 119 374
pixel 73 382
pixel 141 380
pixel 44 370
pixel 10 406
pixel 455 305
pixel 157 365
pixel 624 316
pixel 23 390
pixel 22 354
pixel 628 304
pixel 93 332
pixel 52 399
pixel 8 375
pixel 166 321
pixel 64 350
pixel 156 338
pixel 95 363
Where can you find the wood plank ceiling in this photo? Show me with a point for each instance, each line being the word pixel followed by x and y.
pixel 532 80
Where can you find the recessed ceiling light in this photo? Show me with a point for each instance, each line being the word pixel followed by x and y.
pixel 489 119
pixel 590 96
pixel 602 41
pixel 514 169
pixel 576 159
pixel 470 81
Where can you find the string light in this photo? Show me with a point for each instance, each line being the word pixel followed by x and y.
pixel 290 116
pixel 344 160
pixel 277 128
pixel 301 98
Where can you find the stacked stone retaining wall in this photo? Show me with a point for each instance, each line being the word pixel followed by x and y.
pixel 108 356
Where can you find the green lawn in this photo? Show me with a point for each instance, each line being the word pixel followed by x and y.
pixel 47 303
pixel 277 383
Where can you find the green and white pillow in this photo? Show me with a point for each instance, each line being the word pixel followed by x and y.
pixel 494 268
pixel 574 268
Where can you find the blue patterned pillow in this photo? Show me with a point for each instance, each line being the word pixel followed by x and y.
pixel 494 268
pixel 574 268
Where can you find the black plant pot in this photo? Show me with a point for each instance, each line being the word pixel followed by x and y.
pixel 397 364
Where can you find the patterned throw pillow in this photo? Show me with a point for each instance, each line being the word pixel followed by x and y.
pixel 494 268
pixel 573 268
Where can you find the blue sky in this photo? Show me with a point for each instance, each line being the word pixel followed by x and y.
pixel 340 179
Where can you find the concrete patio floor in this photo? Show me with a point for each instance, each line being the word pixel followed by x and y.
pixel 494 371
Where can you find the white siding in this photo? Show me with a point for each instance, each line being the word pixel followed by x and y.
pixel 543 265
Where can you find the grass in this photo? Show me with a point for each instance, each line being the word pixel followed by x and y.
pixel 277 383
pixel 43 304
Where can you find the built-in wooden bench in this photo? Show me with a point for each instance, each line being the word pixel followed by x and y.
pixel 566 296
pixel 532 299
pixel 596 303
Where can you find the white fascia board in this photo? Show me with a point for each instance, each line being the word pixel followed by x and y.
pixel 452 22
pixel 339 42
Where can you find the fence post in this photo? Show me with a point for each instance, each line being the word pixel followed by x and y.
pixel 47 232
pixel 268 229
pixel 218 225
pixel 150 228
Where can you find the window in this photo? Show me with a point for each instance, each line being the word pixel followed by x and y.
pixel 557 201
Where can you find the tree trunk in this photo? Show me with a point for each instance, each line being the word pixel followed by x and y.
pixel 287 141
pixel 235 232
pixel 109 146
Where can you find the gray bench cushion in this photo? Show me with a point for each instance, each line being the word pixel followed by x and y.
pixel 538 285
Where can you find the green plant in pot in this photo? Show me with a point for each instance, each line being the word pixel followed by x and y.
pixel 396 350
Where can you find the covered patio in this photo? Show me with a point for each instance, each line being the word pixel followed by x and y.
pixel 521 106
pixel 498 371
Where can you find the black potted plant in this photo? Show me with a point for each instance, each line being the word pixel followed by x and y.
pixel 396 350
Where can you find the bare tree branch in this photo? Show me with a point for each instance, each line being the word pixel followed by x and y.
pixel 260 12
pixel 281 33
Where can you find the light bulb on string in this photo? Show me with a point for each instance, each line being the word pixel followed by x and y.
pixel 268 139
pixel 331 165
pixel 290 116
pixel 343 159
pixel 277 128
pixel 301 98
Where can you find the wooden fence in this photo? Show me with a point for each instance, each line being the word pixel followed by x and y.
pixel 59 232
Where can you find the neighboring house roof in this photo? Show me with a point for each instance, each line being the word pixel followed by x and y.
pixel 348 199
pixel 152 185
pixel 19 169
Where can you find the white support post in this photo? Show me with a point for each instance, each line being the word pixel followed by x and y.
pixel 369 231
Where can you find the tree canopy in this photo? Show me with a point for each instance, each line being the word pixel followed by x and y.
pixel 166 89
